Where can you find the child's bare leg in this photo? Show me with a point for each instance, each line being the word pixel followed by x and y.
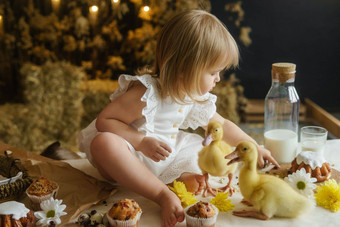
pixel 115 160
pixel 193 182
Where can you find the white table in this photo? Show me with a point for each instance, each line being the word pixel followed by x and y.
pixel 151 211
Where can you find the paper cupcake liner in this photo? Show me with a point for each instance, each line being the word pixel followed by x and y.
pixel 129 223
pixel 36 200
pixel 200 222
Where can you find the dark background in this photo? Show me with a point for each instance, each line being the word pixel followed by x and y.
pixel 304 32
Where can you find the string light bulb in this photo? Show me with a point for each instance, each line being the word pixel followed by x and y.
pixel 94 8
pixel 1 24
pixel 93 14
pixel 55 5
pixel 145 10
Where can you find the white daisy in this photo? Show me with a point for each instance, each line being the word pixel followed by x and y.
pixel 51 212
pixel 302 182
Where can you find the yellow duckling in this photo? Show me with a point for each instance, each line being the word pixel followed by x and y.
pixel 211 158
pixel 270 195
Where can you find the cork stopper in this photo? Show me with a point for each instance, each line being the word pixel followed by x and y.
pixel 283 71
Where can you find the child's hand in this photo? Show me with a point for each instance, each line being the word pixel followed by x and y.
pixel 265 154
pixel 154 149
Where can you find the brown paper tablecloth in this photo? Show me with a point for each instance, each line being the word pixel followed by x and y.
pixel 77 189
pixel 151 217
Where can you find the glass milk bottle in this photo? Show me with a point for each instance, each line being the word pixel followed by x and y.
pixel 281 117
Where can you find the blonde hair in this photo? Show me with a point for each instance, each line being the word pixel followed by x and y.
pixel 189 44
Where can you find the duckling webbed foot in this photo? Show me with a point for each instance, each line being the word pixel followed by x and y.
pixel 228 186
pixel 208 188
pixel 209 191
pixel 251 213
pixel 245 202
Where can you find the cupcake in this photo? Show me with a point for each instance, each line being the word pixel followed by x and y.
pixel 41 189
pixel 201 214
pixel 13 213
pixel 124 213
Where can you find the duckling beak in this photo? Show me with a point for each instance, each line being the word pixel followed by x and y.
pixel 233 156
pixel 207 140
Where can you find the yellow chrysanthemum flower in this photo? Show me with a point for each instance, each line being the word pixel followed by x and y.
pixel 187 198
pixel 222 202
pixel 328 195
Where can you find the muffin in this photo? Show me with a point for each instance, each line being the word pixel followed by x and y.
pixel 13 213
pixel 41 189
pixel 314 163
pixel 125 213
pixel 201 214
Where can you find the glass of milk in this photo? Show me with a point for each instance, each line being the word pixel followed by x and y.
pixel 282 143
pixel 313 138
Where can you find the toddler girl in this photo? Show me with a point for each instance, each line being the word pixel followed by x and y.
pixel 136 139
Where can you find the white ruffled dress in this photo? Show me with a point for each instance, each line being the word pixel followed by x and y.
pixel 163 120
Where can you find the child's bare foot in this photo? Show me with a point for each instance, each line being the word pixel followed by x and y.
pixel 193 182
pixel 172 211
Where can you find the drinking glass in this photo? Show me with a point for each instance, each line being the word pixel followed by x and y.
pixel 313 138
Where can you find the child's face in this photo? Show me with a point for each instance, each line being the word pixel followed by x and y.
pixel 209 79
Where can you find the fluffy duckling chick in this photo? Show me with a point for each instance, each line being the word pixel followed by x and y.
pixel 270 195
pixel 211 158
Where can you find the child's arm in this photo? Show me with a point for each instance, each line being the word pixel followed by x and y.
pixel 232 134
pixel 124 110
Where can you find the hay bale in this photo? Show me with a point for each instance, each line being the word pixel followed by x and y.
pixel 10 127
pixel 96 97
pixel 231 102
pixel 52 108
